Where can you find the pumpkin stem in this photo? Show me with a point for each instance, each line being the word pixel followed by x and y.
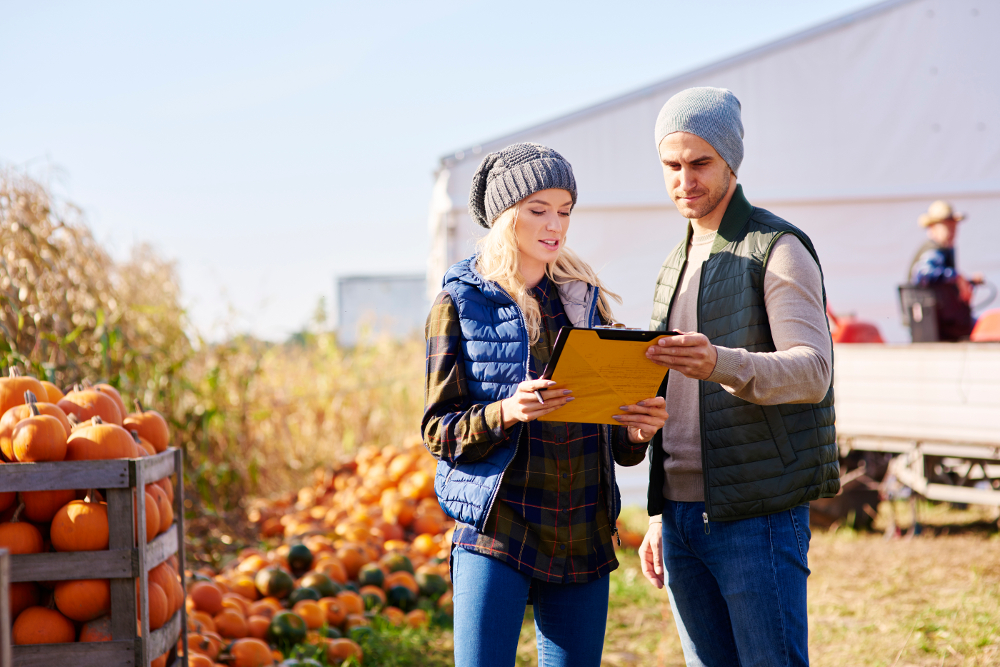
pixel 96 419
pixel 14 373
pixel 73 419
pixel 30 397
pixel 78 387
pixel 138 405
pixel 17 513
pixel 91 496
pixel 135 435
pixel 33 407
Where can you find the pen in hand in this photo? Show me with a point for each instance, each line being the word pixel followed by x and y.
pixel 538 395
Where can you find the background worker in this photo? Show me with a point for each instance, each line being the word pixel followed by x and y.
pixel 934 267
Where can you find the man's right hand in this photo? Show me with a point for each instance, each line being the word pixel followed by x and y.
pixel 523 406
pixel 651 554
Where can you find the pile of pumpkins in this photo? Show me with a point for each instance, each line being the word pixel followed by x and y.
pixel 40 423
pixel 366 545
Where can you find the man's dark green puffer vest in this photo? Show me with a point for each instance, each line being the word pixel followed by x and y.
pixel 756 459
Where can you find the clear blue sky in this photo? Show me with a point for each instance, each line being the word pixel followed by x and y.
pixel 269 147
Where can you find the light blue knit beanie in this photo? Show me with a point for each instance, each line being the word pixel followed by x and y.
pixel 710 113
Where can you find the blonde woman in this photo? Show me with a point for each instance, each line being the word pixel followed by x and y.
pixel 536 502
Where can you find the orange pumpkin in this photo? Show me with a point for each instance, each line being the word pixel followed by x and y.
pixel 257 626
pixel 89 403
pixel 19 413
pixel 97 630
pixel 163 505
pixel 38 438
pixel 23 594
pixel 152 517
pixel 41 506
pixel 206 597
pixel 334 609
pixel 250 652
pixel 12 389
pixel 205 643
pixel 200 621
pixel 231 624
pixel 53 394
pixel 311 613
pixel 267 607
pixel 159 612
pixel 80 526
pixel 99 441
pixel 351 602
pixel 339 650
pixel 151 426
pixel 19 537
pixel 159 662
pixel 83 599
pixel 38 625
pixel 106 388
pixel 164 577
pixel 167 486
pixel 199 660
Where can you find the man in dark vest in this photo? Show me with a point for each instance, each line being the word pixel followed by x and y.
pixel 750 439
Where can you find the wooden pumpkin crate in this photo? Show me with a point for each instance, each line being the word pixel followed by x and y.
pixel 122 562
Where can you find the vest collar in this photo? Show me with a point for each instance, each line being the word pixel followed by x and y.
pixel 736 216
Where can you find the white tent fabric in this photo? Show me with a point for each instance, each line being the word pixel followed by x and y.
pixel 852 129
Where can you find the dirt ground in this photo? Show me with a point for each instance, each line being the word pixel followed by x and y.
pixel 927 600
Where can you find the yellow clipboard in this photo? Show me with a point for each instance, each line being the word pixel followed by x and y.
pixel 606 369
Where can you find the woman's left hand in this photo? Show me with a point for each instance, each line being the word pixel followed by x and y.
pixel 644 418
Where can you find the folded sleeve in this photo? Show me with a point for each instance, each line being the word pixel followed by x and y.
pixel 626 452
pixel 454 427
pixel 801 368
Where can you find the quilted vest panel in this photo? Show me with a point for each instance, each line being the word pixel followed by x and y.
pixel 756 459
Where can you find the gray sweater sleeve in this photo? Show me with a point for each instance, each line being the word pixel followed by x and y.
pixel 800 370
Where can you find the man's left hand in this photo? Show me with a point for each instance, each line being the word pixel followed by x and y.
pixel 690 354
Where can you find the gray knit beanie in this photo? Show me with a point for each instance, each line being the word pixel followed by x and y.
pixel 511 174
pixel 711 113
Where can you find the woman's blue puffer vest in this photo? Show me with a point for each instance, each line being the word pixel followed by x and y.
pixel 495 350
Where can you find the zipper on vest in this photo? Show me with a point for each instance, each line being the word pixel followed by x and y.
pixel 527 376
pixel 701 410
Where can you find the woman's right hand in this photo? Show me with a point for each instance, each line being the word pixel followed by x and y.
pixel 523 406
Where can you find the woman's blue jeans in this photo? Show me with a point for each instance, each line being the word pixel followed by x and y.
pixel 489 602
pixel 738 593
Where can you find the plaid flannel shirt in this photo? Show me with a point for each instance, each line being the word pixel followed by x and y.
pixel 550 518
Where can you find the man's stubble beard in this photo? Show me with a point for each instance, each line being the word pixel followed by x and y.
pixel 714 198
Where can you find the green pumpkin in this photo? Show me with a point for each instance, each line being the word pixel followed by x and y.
pixel 300 559
pixel 431 585
pixel 402 597
pixel 331 632
pixel 396 562
pixel 326 586
pixel 300 594
pixel 371 574
pixel 287 629
pixel 274 582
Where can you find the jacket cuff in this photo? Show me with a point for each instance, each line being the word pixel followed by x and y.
pixel 727 366
pixel 494 422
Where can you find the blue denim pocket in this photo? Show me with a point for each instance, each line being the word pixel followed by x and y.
pixel 803 534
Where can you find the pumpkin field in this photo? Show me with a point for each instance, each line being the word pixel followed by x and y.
pixel 312 535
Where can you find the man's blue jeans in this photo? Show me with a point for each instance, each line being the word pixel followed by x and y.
pixel 489 602
pixel 738 593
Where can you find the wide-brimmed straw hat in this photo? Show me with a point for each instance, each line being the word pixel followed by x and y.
pixel 939 211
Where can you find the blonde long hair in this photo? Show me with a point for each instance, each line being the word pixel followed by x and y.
pixel 499 260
